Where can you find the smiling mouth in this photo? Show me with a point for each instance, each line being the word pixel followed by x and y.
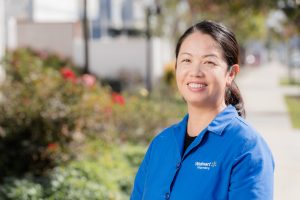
pixel 196 85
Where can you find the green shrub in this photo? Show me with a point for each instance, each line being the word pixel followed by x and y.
pixel 73 183
pixel 169 77
pixel 21 189
pixel 43 111
pixel 134 154
pixel 73 138
pixel 104 172
pixel 140 119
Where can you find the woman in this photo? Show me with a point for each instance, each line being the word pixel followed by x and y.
pixel 213 153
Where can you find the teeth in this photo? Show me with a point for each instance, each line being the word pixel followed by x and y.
pixel 196 85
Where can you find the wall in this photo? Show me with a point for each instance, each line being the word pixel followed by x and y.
pixel 110 57
pixel 54 37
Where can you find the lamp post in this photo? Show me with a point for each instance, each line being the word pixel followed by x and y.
pixel 2 38
pixel 85 37
pixel 2 28
pixel 150 10
pixel 148 52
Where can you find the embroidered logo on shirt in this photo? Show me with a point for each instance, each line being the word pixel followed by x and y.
pixel 205 165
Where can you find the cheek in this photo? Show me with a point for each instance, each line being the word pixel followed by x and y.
pixel 219 79
pixel 178 76
pixel 178 80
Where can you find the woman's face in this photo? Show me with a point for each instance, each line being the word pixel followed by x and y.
pixel 201 72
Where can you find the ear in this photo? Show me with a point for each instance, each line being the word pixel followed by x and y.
pixel 233 71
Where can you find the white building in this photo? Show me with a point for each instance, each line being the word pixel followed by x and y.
pixel 115 17
pixel 54 25
pixel 107 17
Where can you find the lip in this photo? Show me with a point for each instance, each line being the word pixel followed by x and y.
pixel 196 89
pixel 197 82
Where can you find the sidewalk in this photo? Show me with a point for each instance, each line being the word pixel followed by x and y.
pixel 267 112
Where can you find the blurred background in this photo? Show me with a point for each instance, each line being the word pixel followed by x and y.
pixel 86 84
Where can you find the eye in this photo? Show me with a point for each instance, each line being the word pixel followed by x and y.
pixel 209 63
pixel 186 60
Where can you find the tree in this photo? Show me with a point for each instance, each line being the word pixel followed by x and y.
pixel 292 11
pixel 245 17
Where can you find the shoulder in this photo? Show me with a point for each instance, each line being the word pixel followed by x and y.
pixel 164 135
pixel 252 167
pixel 243 130
pixel 168 137
pixel 246 138
pixel 163 142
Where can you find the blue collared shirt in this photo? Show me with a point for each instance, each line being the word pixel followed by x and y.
pixel 227 160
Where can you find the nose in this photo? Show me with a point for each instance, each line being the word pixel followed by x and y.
pixel 197 70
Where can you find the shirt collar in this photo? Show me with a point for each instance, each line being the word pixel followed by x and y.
pixel 222 120
pixel 216 126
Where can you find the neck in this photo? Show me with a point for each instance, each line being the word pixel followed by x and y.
pixel 199 118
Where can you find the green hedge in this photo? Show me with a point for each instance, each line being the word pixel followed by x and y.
pixel 43 111
pixel 105 172
pixel 65 136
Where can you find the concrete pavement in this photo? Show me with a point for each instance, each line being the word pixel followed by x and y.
pixel 267 112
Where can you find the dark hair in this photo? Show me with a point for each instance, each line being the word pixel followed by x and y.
pixel 226 39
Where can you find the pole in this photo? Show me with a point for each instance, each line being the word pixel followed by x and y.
pixel 30 10
pixel 148 52
pixel 85 37
pixel 3 28
pixel 2 38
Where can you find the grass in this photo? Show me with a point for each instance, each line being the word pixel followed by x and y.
pixel 289 82
pixel 293 103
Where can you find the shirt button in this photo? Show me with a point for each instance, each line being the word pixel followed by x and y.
pixel 167 196
pixel 178 165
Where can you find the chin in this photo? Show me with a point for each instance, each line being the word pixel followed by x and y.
pixel 201 102
pixel 197 103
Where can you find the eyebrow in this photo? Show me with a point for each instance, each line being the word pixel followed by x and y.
pixel 209 55
pixel 185 53
pixel 204 56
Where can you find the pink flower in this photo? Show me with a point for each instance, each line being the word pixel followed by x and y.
pixel 68 74
pixel 88 80
pixel 43 54
pixel 117 98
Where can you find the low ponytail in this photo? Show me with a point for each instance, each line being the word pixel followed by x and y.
pixel 233 96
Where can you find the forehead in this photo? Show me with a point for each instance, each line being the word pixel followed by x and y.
pixel 198 43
